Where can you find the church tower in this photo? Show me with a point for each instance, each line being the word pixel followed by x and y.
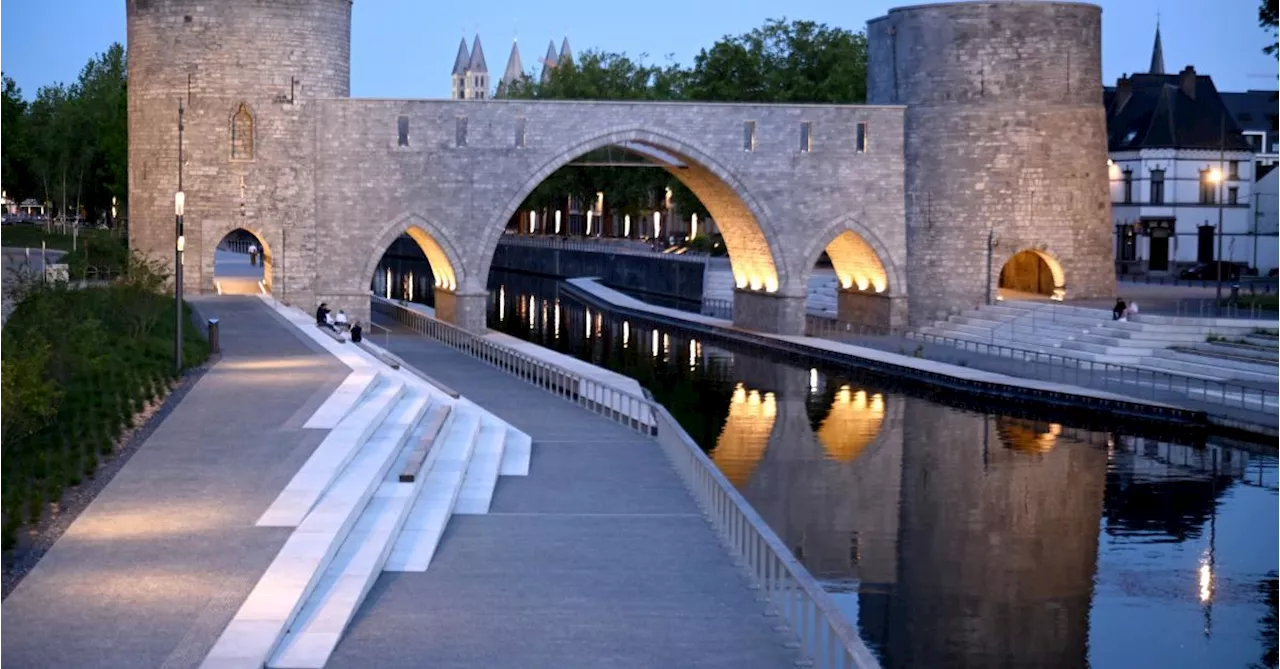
pixel 460 71
pixel 513 75
pixel 477 77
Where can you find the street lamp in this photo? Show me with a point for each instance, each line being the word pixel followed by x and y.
pixel 179 204
pixel 1215 178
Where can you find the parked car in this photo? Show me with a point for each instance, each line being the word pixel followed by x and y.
pixel 1208 271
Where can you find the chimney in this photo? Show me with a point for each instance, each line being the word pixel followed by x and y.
pixel 1187 82
pixel 1124 91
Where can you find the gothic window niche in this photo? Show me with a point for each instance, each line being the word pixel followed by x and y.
pixel 242 133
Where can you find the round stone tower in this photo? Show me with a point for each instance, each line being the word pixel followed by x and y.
pixel 244 72
pixel 1005 147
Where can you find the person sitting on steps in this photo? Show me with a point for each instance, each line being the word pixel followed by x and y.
pixel 357 332
pixel 340 321
pixel 1118 310
pixel 322 313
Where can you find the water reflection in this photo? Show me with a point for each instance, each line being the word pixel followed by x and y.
pixel 954 537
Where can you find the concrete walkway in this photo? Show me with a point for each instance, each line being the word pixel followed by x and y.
pixel 598 558
pixel 156 566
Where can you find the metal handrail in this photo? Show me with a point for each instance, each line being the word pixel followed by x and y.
pixel 625 247
pixel 825 635
pixel 717 308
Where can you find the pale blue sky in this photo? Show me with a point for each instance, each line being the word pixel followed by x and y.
pixel 405 48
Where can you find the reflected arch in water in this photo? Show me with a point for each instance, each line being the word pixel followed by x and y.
pixel 742 219
pixel 852 423
pixel 745 436
pixel 1027 436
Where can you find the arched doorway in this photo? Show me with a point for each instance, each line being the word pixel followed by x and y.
pixel 853 279
pixel 1031 274
pixel 242 264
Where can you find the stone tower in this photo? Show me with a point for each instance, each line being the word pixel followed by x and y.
pixel 1005 145
pixel 459 74
pixel 477 79
pixel 246 73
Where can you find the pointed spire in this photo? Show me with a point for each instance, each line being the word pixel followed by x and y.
pixel 549 61
pixel 566 54
pixel 477 64
pixel 1157 52
pixel 515 68
pixel 460 63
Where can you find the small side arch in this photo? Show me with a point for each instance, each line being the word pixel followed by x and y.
pixel 859 257
pixel 213 238
pixel 1031 270
pixel 447 268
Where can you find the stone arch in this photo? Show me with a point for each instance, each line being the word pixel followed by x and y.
pixel 214 237
pixel 1031 270
pixel 743 220
pixel 447 269
pixel 856 250
pixel 242 132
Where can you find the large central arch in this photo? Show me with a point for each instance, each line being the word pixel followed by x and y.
pixel 743 220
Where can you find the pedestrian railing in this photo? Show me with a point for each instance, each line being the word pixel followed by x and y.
pixel 1126 379
pixel 717 308
pixel 599 245
pixel 825 635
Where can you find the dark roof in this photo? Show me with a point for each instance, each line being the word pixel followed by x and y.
pixel 1253 110
pixel 1159 114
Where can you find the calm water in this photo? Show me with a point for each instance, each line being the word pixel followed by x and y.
pixel 954 536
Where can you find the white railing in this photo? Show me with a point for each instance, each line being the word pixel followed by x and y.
pixel 826 637
pixel 600 245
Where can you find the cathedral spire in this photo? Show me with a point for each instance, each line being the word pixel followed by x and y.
pixel 1157 53
pixel 515 69
pixel 464 56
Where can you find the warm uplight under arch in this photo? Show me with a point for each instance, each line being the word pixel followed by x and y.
pixel 1033 271
pixel 446 268
pixel 856 263
pixel 742 220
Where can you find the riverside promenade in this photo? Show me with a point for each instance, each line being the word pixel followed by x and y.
pixel 598 557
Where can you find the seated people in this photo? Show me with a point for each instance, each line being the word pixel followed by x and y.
pixel 322 313
pixel 341 320
pixel 357 332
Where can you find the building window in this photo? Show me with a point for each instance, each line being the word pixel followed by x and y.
pixel 402 131
pixel 748 135
pixel 1233 195
pixel 1157 186
pixel 242 134
pixel 806 136
pixel 1128 186
pixel 520 130
pixel 460 132
pixel 862 137
pixel 1207 188
pixel 1233 170
pixel 1126 243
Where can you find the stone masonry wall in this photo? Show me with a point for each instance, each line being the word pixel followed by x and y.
pixel 275 58
pixel 1005 135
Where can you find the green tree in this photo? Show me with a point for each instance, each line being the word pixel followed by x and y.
pixel 15 159
pixel 1268 17
pixel 797 61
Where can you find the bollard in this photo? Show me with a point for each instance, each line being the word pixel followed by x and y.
pixel 213 336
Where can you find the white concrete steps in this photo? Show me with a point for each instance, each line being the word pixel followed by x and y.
pixel 516 453
pixel 421 533
pixel 332 456
pixel 349 393
pixel 1234 350
pixel 1262 340
pixel 275 601
pixel 482 471
pixel 315 632
pixel 1220 367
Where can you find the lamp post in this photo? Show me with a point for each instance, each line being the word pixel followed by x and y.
pixel 179 204
pixel 1215 178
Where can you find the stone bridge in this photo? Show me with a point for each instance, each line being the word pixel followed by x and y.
pixel 914 199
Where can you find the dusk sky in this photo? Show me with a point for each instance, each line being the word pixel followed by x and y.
pixel 405 48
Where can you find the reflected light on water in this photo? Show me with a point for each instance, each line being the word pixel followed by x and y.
pixel 533 317
pixel 745 435
pixel 813 380
pixel 502 304
pixel 852 423
pixel 666 345
pixel 693 354
pixel 557 316
pixel 655 343
pixel 587 323
pixel 1206 580
pixel 626 334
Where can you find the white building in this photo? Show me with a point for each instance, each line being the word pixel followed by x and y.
pixel 1266 207
pixel 1179 166
pixel 1255 112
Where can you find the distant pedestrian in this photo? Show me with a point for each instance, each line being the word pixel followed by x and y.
pixel 1117 312
pixel 253 255
pixel 357 332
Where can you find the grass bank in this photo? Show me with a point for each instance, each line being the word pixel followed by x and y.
pixel 78 366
